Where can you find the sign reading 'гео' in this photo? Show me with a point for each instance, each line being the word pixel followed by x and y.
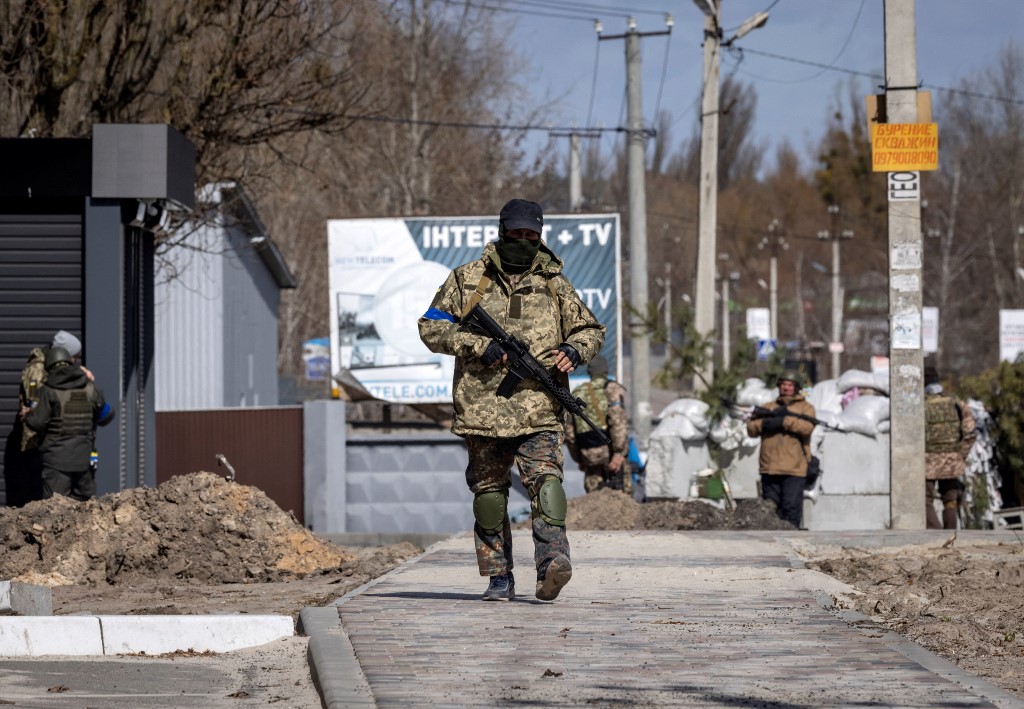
pixel 899 147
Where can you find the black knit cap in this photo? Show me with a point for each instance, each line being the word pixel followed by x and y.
pixel 522 214
pixel 931 376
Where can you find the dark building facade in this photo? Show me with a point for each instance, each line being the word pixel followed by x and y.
pixel 78 223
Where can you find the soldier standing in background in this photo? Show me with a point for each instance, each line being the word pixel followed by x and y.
pixel 948 436
pixel 519 282
pixel 602 465
pixel 23 466
pixel 69 409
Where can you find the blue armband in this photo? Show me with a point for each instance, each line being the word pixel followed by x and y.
pixel 435 314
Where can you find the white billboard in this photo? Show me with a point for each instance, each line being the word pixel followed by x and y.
pixel 383 274
pixel 1011 335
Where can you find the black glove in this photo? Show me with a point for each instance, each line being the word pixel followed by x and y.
pixel 492 354
pixel 759 412
pixel 771 425
pixel 571 353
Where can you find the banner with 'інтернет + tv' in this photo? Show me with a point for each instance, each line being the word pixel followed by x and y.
pixel 383 274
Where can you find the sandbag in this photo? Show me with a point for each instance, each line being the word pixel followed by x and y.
pixel 825 396
pixel 685 407
pixel 754 392
pixel 680 427
pixel 864 414
pixel 862 380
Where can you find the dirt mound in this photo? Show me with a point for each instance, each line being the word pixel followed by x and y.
pixel 611 509
pixel 194 527
pixel 964 602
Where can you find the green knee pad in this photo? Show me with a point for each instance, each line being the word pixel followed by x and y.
pixel 489 510
pixel 551 501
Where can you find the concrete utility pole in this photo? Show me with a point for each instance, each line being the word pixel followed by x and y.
pixel 640 340
pixel 906 357
pixel 726 276
pixel 837 290
pixel 575 176
pixel 575 166
pixel 704 291
pixel 666 285
pixel 774 242
pixel 707 210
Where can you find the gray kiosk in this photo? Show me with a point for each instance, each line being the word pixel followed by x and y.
pixel 79 220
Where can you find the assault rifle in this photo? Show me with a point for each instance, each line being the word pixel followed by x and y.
pixel 523 365
pixel 759 412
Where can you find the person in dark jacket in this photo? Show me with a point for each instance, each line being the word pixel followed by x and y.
pixel 69 409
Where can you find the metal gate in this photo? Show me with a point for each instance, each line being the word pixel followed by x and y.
pixel 40 293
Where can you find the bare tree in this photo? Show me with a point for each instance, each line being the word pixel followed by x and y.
pixel 976 213
pixel 230 75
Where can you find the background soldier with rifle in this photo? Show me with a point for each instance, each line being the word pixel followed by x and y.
pixel 510 388
pixel 603 461
pixel 785 433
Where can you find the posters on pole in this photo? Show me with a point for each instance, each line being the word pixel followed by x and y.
pixel 1011 334
pixel 383 274
pixel 930 329
pixel 759 324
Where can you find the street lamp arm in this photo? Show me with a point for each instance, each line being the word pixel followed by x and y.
pixel 750 24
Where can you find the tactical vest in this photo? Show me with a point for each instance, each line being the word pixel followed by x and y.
pixel 943 431
pixel 73 414
pixel 594 394
pixel 32 379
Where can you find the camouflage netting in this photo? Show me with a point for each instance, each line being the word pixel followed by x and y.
pixel 199 527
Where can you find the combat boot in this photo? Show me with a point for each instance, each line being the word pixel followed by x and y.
pixel 552 577
pixel 501 588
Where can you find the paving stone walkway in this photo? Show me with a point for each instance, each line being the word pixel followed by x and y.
pixel 650 619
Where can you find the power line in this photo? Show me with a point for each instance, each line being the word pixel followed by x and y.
pixel 830 67
pixel 558 10
pixel 664 73
pixel 878 77
pixel 468 125
pixel 590 7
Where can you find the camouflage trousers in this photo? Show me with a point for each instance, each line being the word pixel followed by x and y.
pixel 537 457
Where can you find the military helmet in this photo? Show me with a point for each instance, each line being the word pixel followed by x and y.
pixel 790 375
pixel 56 355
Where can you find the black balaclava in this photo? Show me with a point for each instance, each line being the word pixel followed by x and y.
pixel 516 254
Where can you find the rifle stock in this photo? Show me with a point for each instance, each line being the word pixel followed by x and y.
pixel 523 365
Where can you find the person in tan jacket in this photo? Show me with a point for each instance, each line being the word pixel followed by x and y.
pixel 785 447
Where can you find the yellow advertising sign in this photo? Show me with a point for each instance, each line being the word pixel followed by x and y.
pixel 904 147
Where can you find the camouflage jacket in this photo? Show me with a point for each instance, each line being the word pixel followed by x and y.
pixel 945 466
pixel 32 379
pixel 524 307
pixel 615 420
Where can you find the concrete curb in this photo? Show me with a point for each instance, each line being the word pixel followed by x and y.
pixel 925 658
pixel 127 635
pixel 332 660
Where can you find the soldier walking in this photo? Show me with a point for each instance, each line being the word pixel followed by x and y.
pixel 519 282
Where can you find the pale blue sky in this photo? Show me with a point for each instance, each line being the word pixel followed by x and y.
pixel 955 39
